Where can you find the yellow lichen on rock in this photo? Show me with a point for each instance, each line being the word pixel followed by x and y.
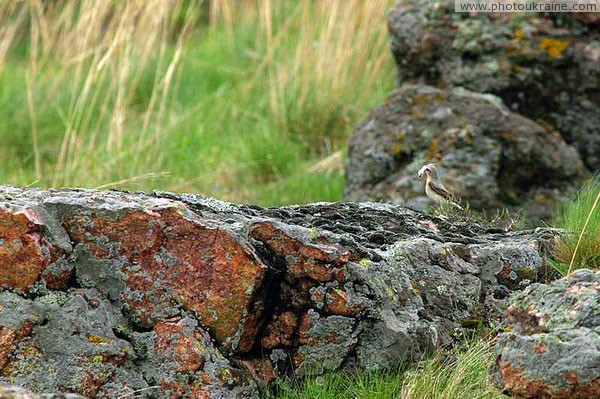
pixel 554 47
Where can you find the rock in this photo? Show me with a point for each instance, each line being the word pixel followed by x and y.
pixel 12 392
pixel 551 347
pixel 492 158
pixel 545 67
pixel 190 296
pixel 24 249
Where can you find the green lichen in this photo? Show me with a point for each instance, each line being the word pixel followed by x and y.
pixel 226 376
pixel 97 359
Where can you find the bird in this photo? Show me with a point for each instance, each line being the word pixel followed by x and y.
pixel 434 188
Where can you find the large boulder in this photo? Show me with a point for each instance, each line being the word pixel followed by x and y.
pixel 492 158
pixel 551 347
pixel 107 293
pixel 543 66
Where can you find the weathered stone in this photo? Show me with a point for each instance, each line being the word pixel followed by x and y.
pixel 182 360
pixel 551 347
pixel 24 254
pixel 325 342
pixel 317 261
pixel 280 331
pixel 173 259
pixel 12 392
pixel 193 297
pixel 72 349
pixel 491 158
pixel 543 66
pixel 18 316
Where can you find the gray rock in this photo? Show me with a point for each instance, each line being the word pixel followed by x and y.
pixel 551 346
pixel 491 158
pixel 14 392
pixel 545 67
pixel 184 295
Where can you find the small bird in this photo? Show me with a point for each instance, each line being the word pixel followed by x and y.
pixel 434 188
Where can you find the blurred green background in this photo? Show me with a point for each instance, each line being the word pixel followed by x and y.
pixel 245 100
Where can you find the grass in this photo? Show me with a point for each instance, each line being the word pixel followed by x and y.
pixel 242 100
pixel 579 247
pixel 461 373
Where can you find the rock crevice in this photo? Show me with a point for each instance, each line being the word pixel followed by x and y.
pixel 106 292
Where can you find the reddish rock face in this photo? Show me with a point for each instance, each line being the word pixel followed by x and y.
pixel 9 339
pixel 174 260
pixel 173 293
pixel 524 387
pixel 280 331
pixel 261 369
pixel 551 348
pixel 337 303
pixel 24 254
pixel 184 348
pixel 320 262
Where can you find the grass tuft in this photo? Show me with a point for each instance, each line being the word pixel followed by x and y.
pixel 461 373
pixel 579 247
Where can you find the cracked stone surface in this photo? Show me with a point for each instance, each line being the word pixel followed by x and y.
pixel 551 347
pixel 106 293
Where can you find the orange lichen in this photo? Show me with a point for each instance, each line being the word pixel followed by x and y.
pixel 540 348
pixel 417 113
pixel 520 34
pixel 434 149
pixel 397 149
pixel 554 47
pixel 548 127
pixel 95 339
pixel 426 99
pixel 415 288
pixel 510 136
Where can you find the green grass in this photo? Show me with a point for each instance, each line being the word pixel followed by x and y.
pixel 258 98
pixel 463 373
pixel 580 218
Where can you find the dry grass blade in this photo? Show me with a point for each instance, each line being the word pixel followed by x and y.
pixel 147 176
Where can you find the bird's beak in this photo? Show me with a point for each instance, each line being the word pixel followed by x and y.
pixel 422 172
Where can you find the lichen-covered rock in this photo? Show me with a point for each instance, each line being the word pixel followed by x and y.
pixel 24 254
pixel 13 392
pixel 551 347
pixel 545 67
pixel 491 157
pixel 183 296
